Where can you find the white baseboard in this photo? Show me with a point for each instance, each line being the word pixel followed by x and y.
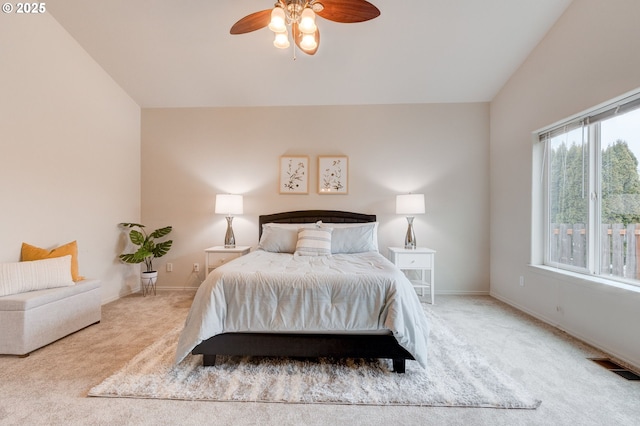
pixel 138 289
pixel 462 293
pixel 633 364
pixel 120 296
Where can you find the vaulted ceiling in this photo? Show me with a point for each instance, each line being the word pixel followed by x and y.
pixel 179 53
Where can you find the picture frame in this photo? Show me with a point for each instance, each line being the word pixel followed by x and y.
pixel 294 174
pixel 333 174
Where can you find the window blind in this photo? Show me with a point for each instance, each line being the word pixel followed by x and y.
pixel 624 105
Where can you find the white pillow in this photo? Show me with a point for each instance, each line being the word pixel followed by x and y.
pixel 20 277
pixel 353 237
pixel 314 242
pixel 278 239
pixel 281 237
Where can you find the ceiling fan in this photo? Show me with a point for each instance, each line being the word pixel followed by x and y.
pixel 299 16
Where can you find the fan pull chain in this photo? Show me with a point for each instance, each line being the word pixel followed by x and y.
pixel 294 51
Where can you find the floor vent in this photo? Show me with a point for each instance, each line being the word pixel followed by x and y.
pixel 616 368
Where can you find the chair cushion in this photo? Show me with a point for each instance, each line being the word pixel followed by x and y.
pixel 33 299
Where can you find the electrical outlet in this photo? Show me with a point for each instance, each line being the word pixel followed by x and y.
pixel 169 267
pixel 521 281
pixel 196 267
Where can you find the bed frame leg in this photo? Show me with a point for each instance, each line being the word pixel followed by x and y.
pixel 208 360
pixel 399 365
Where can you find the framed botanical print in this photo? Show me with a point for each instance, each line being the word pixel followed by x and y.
pixel 294 174
pixel 333 175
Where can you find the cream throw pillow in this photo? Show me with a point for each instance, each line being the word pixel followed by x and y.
pixel 20 277
pixel 314 242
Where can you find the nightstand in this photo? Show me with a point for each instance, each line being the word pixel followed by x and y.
pixel 219 255
pixel 419 259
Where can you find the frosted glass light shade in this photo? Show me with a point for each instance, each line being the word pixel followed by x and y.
pixel 282 40
pixel 278 20
pixel 229 204
pixel 308 42
pixel 307 21
pixel 410 204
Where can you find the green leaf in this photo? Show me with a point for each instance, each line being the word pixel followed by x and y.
pixel 136 237
pixel 131 225
pixel 130 258
pixel 159 233
pixel 162 248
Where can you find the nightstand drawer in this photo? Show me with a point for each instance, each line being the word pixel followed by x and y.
pixel 219 259
pixel 414 260
pixel 219 255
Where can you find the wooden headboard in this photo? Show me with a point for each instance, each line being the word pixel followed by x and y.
pixel 312 216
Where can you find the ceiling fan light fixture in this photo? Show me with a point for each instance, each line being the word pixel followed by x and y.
pixel 278 22
pixel 308 42
pixel 308 21
pixel 299 18
pixel 282 40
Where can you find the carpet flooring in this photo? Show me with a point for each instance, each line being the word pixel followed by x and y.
pixel 50 386
pixel 457 376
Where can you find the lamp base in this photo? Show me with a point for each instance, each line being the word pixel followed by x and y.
pixel 410 238
pixel 229 238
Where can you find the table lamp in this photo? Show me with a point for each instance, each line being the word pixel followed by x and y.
pixel 229 204
pixel 410 205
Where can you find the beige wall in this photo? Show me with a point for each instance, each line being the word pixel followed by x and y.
pixel 191 154
pixel 589 57
pixel 70 150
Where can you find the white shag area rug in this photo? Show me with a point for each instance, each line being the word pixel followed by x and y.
pixel 457 376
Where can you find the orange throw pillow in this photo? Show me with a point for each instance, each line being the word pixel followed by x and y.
pixel 30 253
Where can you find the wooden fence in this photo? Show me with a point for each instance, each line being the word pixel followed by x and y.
pixel 619 251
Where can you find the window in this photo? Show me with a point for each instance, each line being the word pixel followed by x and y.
pixel 590 187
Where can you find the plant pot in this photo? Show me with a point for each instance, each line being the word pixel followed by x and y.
pixel 148 282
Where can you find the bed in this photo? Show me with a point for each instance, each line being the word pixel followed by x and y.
pixel 338 305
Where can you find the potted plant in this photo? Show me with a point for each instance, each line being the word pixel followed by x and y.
pixel 148 249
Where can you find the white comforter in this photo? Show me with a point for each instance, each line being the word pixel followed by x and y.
pixel 276 292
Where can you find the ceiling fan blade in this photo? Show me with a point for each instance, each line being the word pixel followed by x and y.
pixel 297 37
pixel 252 22
pixel 348 11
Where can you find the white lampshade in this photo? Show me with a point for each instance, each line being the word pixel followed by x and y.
pixel 278 20
pixel 410 204
pixel 308 42
pixel 307 21
pixel 228 204
pixel 282 40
